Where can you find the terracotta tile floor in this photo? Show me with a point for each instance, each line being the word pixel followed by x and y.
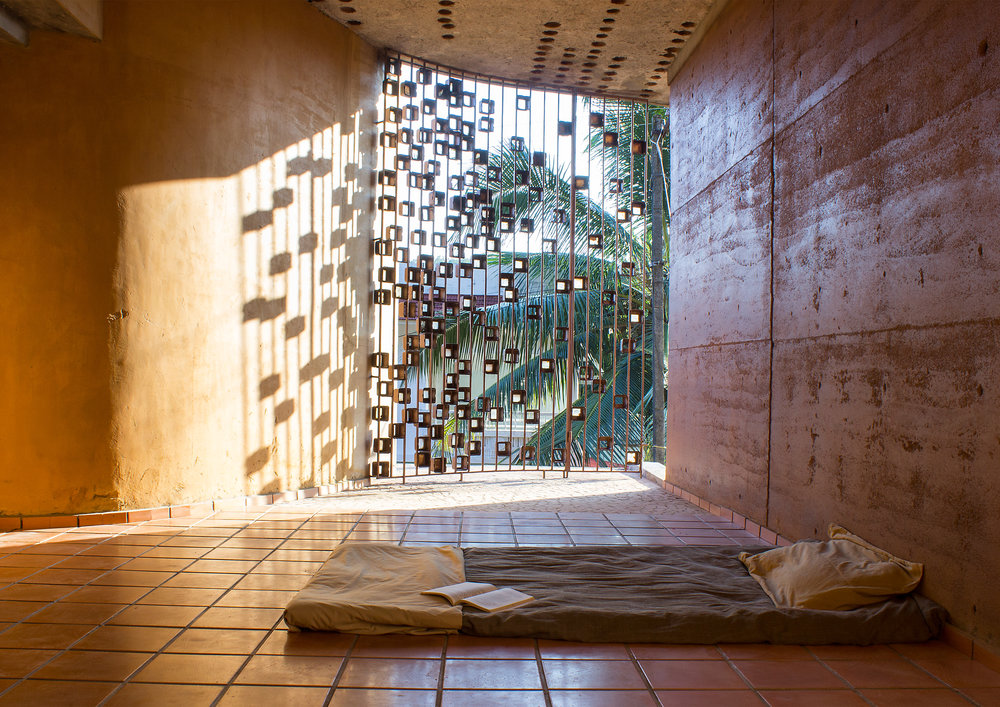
pixel 187 611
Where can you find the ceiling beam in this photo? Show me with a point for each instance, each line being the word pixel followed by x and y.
pixel 12 29
pixel 89 15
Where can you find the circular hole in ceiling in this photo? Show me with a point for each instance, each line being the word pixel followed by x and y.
pixel 601 35
pixel 348 9
pixel 546 39
pixel 618 58
pixel 550 32
pixel 610 73
pixel 678 40
pixel 687 24
pixel 444 12
pixel 597 44
pixel 606 28
pixel 609 20
pixel 354 23
pixel 538 66
pixel 566 62
pixel 586 71
pixel 650 83
pixel 614 66
pixel 617 2
pixel 447 36
pixel 664 62
pixel 448 25
pixel 589 63
pixel 552 24
pixel 536 71
pixel 444 19
pixel 682 32
pixel 613 11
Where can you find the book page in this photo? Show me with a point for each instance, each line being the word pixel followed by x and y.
pixel 505 598
pixel 456 592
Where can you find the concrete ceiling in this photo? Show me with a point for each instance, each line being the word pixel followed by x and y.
pixel 18 18
pixel 620 48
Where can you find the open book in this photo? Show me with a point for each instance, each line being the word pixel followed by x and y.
pixel 481 595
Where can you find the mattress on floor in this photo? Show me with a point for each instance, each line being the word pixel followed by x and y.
pixel 670 595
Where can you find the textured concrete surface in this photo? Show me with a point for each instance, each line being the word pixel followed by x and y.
pixel 613 47
pixel 184 281
pixel 876 406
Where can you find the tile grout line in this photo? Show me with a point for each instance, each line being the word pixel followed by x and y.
pixel 642 674
pixel 541 674
pixel 924 670
pixel 439 691
pixel 340 672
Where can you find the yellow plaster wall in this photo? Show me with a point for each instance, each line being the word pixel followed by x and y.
pixel 184 224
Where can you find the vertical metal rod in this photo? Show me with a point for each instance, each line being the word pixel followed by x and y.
pixel 657 187
pixel 571 333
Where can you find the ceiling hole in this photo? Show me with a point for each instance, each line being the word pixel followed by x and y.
pixel 444 19
pixel 546 39
pixel 543 48
pixel 553 24
pixel 618 58
pixel 566 62
pixel 536 71
pixel 984 47
pixel 606 28
pixel 613 10
pixel 610 73
pixel 447 36
pixel 650 83
pixel 665 62
pixel 597 44
pixel 601 35
pixel 354 23
pixel 682 32
pixel 614 66
pixel 345 0
pixel 449 25
pixel 589 63
pixel 538 66
pixel 677 40
pixel 586 71
pixel 617 2
pixel 609 20
pixel 444 12
pixel 687 24
pixel 569 55
pixel 550 32
pixel 348 9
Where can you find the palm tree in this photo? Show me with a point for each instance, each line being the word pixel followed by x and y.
pixel 613 331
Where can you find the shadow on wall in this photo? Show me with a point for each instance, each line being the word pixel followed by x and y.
pixel 304 271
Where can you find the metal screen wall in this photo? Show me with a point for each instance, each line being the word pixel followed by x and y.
pixel 511 256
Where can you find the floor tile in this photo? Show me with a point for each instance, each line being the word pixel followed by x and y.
pixel 91 665
pixel 202 580
pixel 146 695
pixel 75 613
pixel 931 650
pixel 63 576
pixel 182 596
pixel 18 662
pixel 811 698
pixel 35 592
pixel 791 674
pixel 319 643
pixel 574 650
pixel 347 697
pixel 269 696
pixel 663 651
pixel 711 698
pixel 106 595
pixel 217 640
pixel 176 668
pixel 753 651
pixel 383 672
pixel 460 646
pixel 42 635
pixel 160 564
pixel 154 615
pixel 290 670
pixel 58 692
pixel 230 617
pixel 601 698
pixel 127 638
pixel 398 646
pixel 292 582
pixel 691 675
pixel 17 610
pixel 493 674
pixel 133 578
pixel 986 696
pixel 256 598
pixel 911 697
pixel 883 673
pixel 592 674
pixel 961 672
pixel 834 653
pixel 484 698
